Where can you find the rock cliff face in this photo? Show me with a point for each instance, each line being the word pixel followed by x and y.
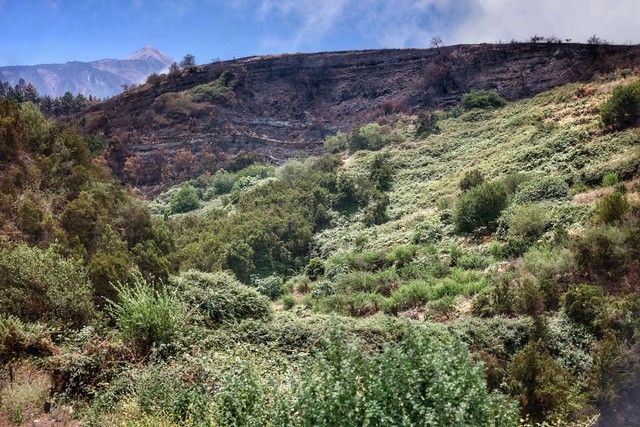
pixel 281 105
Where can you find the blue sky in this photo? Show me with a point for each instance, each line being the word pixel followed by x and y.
pixel 44 31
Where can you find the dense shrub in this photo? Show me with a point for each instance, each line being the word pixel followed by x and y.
pixel 147 317
pixel 336 143
pixel 186 199
pixel 611 208
pixel 220 297
pixel 271 286
pixel 315 268
pixel 425 379
pixel 623 108
pixel 583 303
pixel 542 386
pixel 610 179
pixel 528 221
pixel 471 179
pixel 483 99
pixel 601 253
pixel 381 172
pixel 427 124
pixel 543 188
pixel 480 206
pixel 41 285
pixel 371 136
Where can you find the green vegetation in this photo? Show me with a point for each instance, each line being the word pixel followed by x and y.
pixel 475 266
pixel 483 99
pixel 623 108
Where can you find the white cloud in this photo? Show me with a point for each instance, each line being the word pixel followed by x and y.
pixel 316 19
pixel 493 20
pixel 406 23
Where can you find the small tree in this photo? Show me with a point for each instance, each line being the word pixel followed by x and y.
pixel 188 62
pixel 185 200
pixel 436 42
pixel 174 69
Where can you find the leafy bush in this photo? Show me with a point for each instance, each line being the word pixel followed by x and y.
pixel 483 99
pixel 220 297
pixel 623 108
pixel 427 124
pixel 272 286
pixel 583 303
pixel 288 301
pixel 41 285
pixel 543 188
pixel 471 179
pixel 381 172
pixel 146 317
pixel 611 208
pixel 185 200
pixel 610 178
pixel 336 143
pixel 371 136
pixel 528 221
pixel 315 268
pixel 601 253
pixel 480 206
pixel 543 387
pixel 424 379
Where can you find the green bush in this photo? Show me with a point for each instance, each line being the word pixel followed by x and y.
pixel 409 295
pixel 583 303
pixel 381 172
pixel 426 379
pixel 543 387
pixel 601 253
pixel 528 221
pixel 471 179
pixel 271 286
pixel 427 124
pixel 315 268
pixel 288 301
pixel 480 206
pixel 623 108
pixel 186 199
pixel 610 178
pixel 41 285
pixel 483 99
pixel 371 136
pixel 611 208
pixel 147 317
pixel 220 297
pixel 543 188
pixel 336 143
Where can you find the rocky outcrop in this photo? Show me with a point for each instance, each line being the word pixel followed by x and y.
pixel 281 105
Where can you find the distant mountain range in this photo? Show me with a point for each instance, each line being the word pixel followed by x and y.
pixel 102 78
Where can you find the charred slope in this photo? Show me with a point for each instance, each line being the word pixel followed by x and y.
pixel 280 105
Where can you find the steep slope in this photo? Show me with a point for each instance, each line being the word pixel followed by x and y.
pixel 102 78
pixel 281 105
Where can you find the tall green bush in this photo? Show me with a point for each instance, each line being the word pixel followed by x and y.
pixel 147 317
pixel 480 206
pixel 623 108
pixel 42 285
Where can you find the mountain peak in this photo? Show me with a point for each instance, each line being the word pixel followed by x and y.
pixel 151 52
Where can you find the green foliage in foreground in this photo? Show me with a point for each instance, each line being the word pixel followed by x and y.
pixel 147 317
pixel 42 285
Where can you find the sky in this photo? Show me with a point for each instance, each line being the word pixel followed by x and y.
pixel 51 31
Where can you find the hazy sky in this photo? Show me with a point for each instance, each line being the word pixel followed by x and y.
pixel 43 31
